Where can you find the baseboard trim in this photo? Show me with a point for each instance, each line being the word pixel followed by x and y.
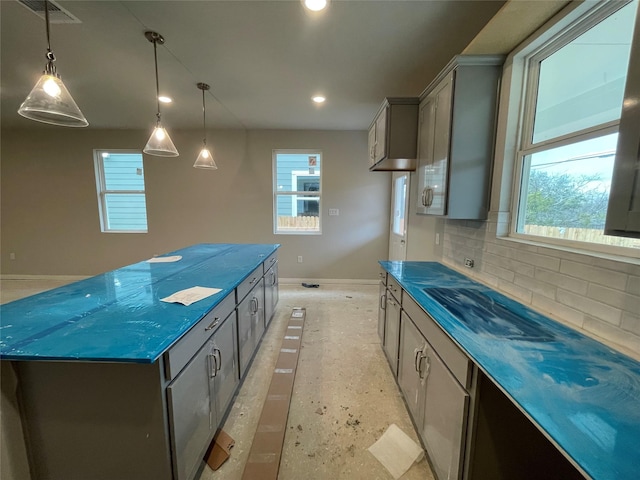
pixel 328 281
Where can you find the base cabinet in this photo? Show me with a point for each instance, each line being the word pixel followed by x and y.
pixel 392 330
pixel 436 401
pixel 382 311
pixel 250 324
pixel 270 293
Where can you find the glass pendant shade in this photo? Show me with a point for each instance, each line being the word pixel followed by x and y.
pixel 205 159
pixel 160 144
pixel 50 102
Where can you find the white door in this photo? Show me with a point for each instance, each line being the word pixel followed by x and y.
pixel 399 210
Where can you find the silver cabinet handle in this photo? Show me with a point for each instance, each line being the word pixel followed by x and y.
pixel 216 351
pixel 253 280
pixel 213 367
pixel 417 351
pixel 427 366
pixel 392 302
pixel 429 197
pixel 383 302
pixel 274 279
pixel 424 197
pixel 213 324
pixel 254 306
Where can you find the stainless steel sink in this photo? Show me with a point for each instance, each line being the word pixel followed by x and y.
pixel 484 314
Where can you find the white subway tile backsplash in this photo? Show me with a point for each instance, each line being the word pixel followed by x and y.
pixel 594 308
pixel 613 334
pixel 598 295
pixel 536 286
pixel 593 274
pixel 572 284
pixel 557 310
pixel 631 322
pixel 538 260
pixel 615 298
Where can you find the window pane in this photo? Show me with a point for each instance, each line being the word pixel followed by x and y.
pixel 582 84
pixel 298 213
pixel 123 171
pixel 297 172
pixel 126 211
pixel 565 192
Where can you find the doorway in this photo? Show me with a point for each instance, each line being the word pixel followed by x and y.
pixel 399 210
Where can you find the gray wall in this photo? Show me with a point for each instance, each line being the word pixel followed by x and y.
pixel 49 210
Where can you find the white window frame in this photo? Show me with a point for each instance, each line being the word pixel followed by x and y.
pixel 102 189
pixel 524 83
pixel 295 193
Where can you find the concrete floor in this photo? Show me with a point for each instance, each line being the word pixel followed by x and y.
pixel 344 395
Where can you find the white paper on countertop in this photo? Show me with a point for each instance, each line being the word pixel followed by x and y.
pixel 173 258
pixel 190 295
pixel 396 451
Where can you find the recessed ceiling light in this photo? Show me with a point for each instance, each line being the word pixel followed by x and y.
pixel 315 5
pixel 164 99
pixel 318 98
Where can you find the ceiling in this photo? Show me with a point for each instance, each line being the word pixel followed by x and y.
pixel 263 59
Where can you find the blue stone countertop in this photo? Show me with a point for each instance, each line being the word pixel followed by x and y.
pixel 583 394
pixel 118 316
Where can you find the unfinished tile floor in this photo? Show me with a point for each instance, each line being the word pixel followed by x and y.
pixel 344 395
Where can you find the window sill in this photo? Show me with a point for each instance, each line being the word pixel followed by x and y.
pixel 575 250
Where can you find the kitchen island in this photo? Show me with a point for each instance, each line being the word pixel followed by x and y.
pixel 514 373
pixel 116 383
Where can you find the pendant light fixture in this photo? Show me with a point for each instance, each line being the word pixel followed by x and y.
pixel 159 143
pixel 50 101
pixel 205 159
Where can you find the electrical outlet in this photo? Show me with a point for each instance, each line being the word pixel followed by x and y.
pixel 437 239
pixel 299 258
pixel 334 211
pixel 12 256
pixel 468 262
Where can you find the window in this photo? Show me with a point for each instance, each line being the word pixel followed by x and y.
pixel 297 191
pixel 572 105
pixel 121 196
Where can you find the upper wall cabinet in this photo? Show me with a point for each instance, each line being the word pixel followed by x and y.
pixel 623 214
pixel 392 135
pixel 457 120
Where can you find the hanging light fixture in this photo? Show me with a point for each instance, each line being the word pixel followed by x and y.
pixel 159 143
pixel 50 101
pixel 205 159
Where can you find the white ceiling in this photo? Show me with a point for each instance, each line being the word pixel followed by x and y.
pixel 263 59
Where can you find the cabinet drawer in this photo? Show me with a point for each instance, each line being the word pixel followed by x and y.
pixel 455 359
pixel 394 287
pixel 269 262
pixel 382 275
pixel 248 283
pixel 180 354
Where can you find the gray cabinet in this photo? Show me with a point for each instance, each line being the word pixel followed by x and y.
pixel 433 375
pixel 382 309
pixel 392 331
pixel 392 135
pixel 271 293
pixel 250 321
pixel 199 396
pixel 457 118
pixel 623 214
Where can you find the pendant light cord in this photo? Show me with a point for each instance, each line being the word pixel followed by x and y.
pixel 50 69
pixel 155 56
pixel 204 121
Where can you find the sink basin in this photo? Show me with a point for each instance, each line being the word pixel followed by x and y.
pixel 483 314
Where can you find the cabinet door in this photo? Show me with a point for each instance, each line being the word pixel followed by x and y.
pixel 392 330
pixel 372 144
pixel 425 150
pixel 445 418
pixel 250 324
pixel 436 177
pixel 382 308
pixel 191 412
pixel 412 367
pixel 623 213
pixel 381 135
pixel 270 293
pixel 226 376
